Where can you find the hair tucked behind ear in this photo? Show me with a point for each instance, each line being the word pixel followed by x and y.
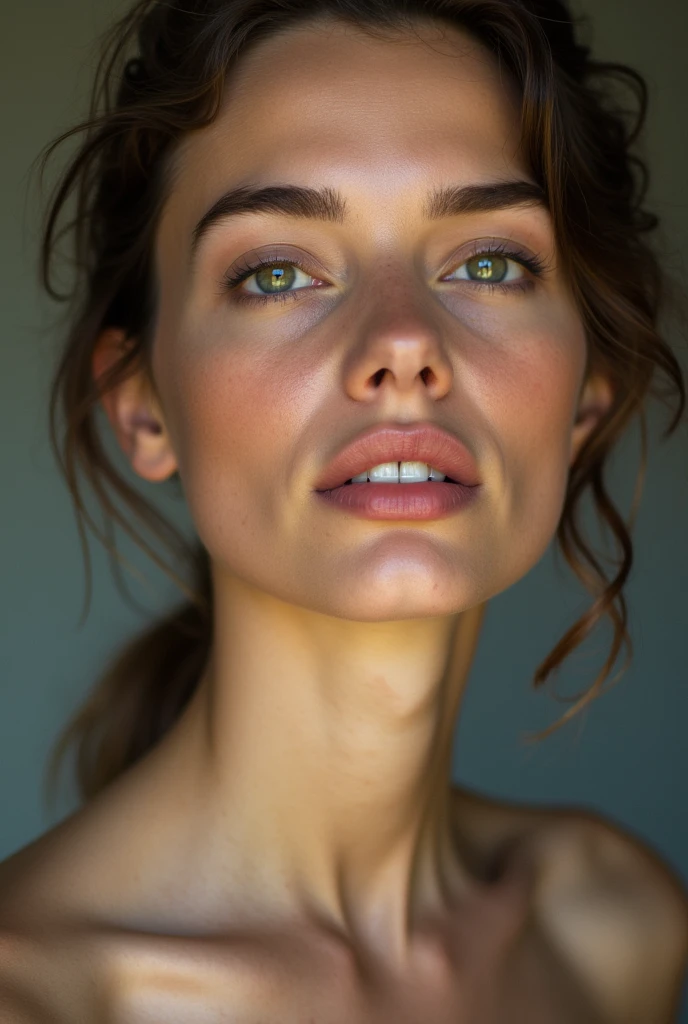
pixel 162 74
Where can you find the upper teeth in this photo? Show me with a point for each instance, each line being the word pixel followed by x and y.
pixel 399 472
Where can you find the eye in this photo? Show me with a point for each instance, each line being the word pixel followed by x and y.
pixel 488 267
pixel 269 274
pixel 497 266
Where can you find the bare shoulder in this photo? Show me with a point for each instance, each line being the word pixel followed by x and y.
pixel 613 907
pixel 20 1002
pixel 619 912
pixel 44 945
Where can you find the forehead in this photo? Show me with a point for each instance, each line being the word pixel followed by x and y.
pixel 326 100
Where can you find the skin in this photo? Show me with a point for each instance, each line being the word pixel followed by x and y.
pixel 305 791
pixel 333 683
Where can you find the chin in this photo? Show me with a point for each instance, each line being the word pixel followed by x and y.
pixel 409 596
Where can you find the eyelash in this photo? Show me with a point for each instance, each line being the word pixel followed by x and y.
pixel 534 264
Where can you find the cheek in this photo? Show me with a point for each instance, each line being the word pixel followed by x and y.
pixel 536 408
pixel 237 413
pixel 226 409
pixel 528 395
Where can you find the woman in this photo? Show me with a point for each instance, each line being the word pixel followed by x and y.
pixel 352 277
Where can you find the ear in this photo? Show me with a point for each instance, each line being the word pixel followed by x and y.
pixel 133 412
pixel 595 401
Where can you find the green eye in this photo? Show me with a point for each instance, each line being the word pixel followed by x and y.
pixel 488 268
pixel 491 269
pixel 278 276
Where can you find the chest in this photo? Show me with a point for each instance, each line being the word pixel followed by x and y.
pixel 532 987
pixel 489 964
pixel 138 980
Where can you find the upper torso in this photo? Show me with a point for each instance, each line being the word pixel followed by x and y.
pixel 557 937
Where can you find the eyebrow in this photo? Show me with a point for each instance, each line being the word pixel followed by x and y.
pixel 327 204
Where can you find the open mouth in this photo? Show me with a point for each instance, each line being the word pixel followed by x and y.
pixel 402 483
pixel 413 500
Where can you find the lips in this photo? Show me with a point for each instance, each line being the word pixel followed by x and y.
pixel 399 443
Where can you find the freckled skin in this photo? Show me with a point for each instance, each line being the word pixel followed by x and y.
pixel 306 787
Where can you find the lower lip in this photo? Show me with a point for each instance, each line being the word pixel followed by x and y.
pixel 400 501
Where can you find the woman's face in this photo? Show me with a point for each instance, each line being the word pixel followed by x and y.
pixel 258 396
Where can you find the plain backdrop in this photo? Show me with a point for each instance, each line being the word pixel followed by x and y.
pixel 627 757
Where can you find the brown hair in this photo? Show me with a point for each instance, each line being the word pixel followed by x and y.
pixel 162 74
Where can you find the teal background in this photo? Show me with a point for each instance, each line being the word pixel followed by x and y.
pixel 627 757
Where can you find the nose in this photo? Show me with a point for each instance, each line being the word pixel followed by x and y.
pixel 400 351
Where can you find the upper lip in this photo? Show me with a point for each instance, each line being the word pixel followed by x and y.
pixel 394 443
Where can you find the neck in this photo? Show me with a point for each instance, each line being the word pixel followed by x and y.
pixel 319 753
